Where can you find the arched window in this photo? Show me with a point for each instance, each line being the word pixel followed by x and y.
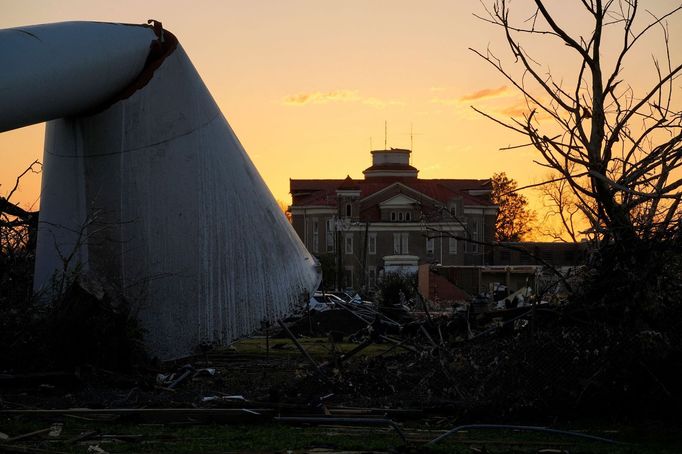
pixel 348 210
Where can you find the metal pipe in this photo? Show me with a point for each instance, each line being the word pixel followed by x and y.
pixel 523 428
pixel 61 70
pixel 344 421
pixel 300 348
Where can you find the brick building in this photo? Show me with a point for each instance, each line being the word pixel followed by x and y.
pixel 390 220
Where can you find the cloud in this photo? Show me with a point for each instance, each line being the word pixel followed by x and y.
pixel 486 93
pixel 499 102
pixel 515 110
pixel 521 108
pixel 319 97
pixel 480 95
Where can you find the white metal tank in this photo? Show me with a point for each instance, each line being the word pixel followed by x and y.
pixel 145 185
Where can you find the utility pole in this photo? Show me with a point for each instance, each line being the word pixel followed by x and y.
pixel 364 256
pixel 339 243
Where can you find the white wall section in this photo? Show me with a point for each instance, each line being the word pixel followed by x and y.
pixel 154 193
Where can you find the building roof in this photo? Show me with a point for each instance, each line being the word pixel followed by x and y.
pixel 390 166
pixel 392 150
pixel 323 192
pixel 348 185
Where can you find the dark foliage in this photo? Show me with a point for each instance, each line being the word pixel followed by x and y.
pixel 640 288
pixel 77 329
pixel 328 264
pixel 99 331
pixel 396 288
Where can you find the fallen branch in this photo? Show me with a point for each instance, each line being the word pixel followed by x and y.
pixel 300 347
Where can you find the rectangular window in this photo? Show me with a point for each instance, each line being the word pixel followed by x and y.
pixel 429 246
pixel 452 245
pixel 330 235
pixel 349 243
pixel 473 247
pixel 316 234
pixel 348 277
pixel 372 243
pixel 400 243
pixel 372 272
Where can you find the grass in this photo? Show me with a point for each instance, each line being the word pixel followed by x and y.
pixel 272 437
pixel 200 438
pixel 317 347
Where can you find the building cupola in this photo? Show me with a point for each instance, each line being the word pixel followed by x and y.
pixel 391 163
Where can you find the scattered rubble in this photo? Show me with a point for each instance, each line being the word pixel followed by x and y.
pixel 482 360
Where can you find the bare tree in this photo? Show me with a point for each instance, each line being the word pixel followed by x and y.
pixel 618 149
pixel 564 217
pixel 18 233
pixel 18 227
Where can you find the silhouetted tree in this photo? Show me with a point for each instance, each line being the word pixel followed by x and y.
pixel 618 148
pixel 285 209
pixel 514 220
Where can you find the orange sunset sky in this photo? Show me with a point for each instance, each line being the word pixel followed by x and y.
pixel 307 84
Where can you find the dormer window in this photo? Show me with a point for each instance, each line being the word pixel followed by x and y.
pixel 401 216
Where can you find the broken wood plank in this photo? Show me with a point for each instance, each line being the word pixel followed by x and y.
pixel 351 353
pixel 26 449
pixel 83 436
pixel 153 414
pixel 400 344
pixel 185 375
pixel 29 435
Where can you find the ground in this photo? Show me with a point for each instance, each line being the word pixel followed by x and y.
pixel 198 414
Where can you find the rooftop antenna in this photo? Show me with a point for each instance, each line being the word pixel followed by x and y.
pixel 370 143
pixel 385 135
pixel 411 139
